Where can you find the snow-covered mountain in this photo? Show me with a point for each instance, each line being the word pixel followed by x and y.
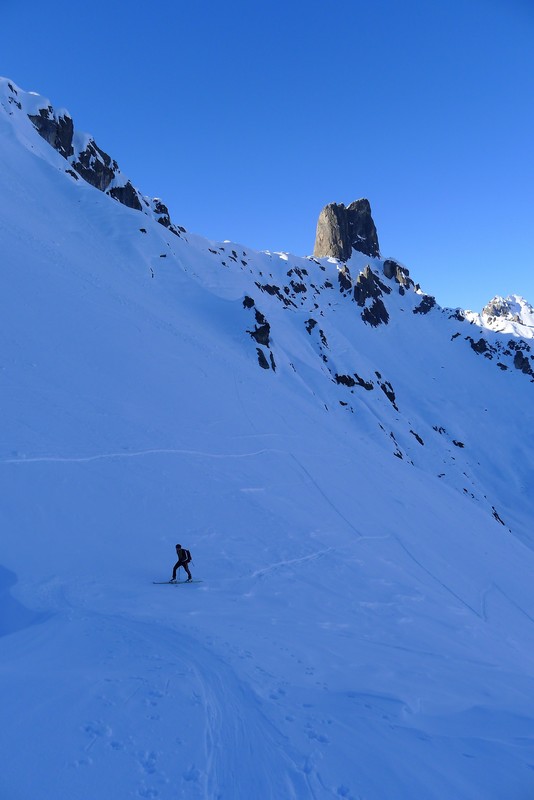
pixel 349 463
pixel 506 315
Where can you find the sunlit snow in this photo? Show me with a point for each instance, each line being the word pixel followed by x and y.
pixel 364 628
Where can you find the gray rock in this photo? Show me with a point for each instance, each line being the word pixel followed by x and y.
pixel 344 279
pixel 427 304
pixel 57 131
pixel 392 269
pixel 479 347
pixel 95 166
pixel 376 314
pixel 342 229
pixel 262 361
pixel 163 213
pixel 368 285
pixel 127 195
pixel 261 334
pixel 522 363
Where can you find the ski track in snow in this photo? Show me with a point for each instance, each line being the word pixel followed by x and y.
pixel 135 454
pixel 435 578
pixel 290 562
pixel 238 745
pixel 321 492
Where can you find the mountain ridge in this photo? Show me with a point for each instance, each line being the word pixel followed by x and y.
pixel 100 170
pixel 324 294
pixel 86 159
pixel 349 466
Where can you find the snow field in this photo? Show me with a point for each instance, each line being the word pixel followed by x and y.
pixel 364 628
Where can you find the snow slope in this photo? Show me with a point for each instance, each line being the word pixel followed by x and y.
pixel 364 628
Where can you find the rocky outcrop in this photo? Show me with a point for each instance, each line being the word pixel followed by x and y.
pixel 342 229
pixel 127 195
pixel 427 304
pixel 87 160
pixel 58 131
pixel 522 363
pixel 95 166
pixel 510 314
pixel 394 270
pixel 501 307
pixel 370 287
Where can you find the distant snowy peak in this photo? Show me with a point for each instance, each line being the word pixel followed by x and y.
pixel 86 159
pixel 510 314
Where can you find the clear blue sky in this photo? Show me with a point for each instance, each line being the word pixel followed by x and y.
pixel 246 118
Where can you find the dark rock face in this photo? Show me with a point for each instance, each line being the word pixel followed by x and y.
pixel 345 380
pixel 376 314
pixel 387 388
pixel 369 286
pixel 344 280
pixel 275 291
pixel 126 195
pixel 11 99
pixel 426 304
pixel 394 270
pixel 522 363
pixel 162 212
pixel 348 380
pixel 56 131
pixel 390 268
pixel 261 333
pixel 479 347
pixel 96 167
pixel 342 229
pixel 419 439
pixel 496 515
pixel 262 361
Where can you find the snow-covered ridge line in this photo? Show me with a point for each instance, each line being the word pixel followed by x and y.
pixel 84 158
pixel 510 314
pixel 81 151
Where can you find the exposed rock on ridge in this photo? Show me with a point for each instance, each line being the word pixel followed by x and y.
pixel 510 314
pixel 57 130
pixel 342 229
pixel 85 157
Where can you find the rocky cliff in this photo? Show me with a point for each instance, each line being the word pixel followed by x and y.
pixel 85 158
pixel 342 229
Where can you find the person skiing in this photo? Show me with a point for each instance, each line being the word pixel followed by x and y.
pixel 184 557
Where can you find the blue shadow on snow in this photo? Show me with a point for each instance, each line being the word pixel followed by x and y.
pixel 13 615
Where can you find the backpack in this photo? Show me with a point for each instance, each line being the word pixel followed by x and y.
pixel 186 555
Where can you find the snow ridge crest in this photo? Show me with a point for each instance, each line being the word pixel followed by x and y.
pixel 512 314
pixel 85 158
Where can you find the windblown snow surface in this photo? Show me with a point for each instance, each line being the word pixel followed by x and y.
pixel 365 624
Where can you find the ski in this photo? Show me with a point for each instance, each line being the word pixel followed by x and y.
pixel 175 583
